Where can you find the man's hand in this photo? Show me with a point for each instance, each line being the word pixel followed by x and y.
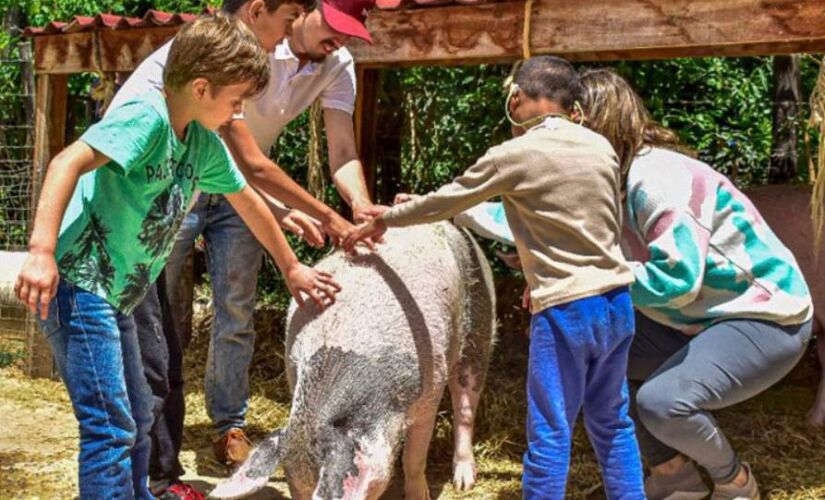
pixel 304 226
pixel 37 282
pixel 368 233
pixel 337 228
pixel 320 286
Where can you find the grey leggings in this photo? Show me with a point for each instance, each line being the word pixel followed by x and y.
pixel 677 379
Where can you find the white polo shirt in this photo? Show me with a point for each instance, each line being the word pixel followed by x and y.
pixel 290 90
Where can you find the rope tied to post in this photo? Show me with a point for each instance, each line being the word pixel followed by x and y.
pixel 526 52
pixel 316 177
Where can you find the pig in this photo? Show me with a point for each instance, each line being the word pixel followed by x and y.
pixel 787 211
pixel 368 372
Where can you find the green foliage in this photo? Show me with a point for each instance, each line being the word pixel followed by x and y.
pixel 721 107
pixel 452 116
pixel 10 354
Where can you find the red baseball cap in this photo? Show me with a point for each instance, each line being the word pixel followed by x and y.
pixel 348 16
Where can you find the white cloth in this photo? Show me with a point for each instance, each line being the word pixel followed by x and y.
pixel 488 221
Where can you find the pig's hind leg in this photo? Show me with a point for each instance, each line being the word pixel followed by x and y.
pixel 468 376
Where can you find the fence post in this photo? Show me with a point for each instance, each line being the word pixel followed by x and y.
pixel 49 139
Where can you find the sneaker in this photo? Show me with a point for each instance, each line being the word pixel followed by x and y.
pixel 181 491
pixel 732 492
pixel 232 448
pixel 684 484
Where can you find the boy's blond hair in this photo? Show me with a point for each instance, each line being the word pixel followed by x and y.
pixel 220 49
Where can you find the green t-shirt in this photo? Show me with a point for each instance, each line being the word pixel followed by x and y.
pixel 121 222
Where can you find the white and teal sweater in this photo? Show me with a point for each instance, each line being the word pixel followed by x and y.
pixel 700 250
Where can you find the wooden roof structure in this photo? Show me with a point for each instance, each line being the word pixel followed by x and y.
pixel 441 32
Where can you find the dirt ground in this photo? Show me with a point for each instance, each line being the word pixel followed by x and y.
pixel 38 433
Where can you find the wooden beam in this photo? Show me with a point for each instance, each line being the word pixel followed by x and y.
pixel 595 30
pixel 108 51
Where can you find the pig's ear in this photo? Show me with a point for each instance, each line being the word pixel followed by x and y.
pixel 255 472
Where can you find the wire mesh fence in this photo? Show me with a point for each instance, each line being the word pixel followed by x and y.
pixel 16 146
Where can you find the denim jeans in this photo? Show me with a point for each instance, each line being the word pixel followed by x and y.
pixel 98 358
pixel 234 258
pixel 162 358
pixel 578 362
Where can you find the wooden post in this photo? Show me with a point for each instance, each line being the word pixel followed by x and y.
pixel 366 104
pixel 27 81
pixel 380 101
pixel 49 126
pixel 390 114
pixel 49 140
pixel 787 82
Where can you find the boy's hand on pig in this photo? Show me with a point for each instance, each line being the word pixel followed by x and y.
pixel 367 233
pixel 366 213
pixel 319 285
pixel 37 282
pixel 404 198
pixel 304 226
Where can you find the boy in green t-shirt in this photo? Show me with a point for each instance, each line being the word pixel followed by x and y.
pixel 107 217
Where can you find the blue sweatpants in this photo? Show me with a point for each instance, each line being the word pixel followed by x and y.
pixel 578 361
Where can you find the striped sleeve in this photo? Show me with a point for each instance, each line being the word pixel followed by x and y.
pixel 674 216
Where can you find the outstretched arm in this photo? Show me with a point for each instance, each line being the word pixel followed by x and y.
pixel 267 176
pixel 299 278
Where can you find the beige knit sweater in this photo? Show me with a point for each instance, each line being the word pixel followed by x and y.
pixel 559 183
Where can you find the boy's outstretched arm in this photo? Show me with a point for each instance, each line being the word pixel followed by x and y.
pixel 37 282
pixel 482 181
pixel 320 286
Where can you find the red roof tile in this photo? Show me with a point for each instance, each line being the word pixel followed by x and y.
pixel 156 18
pixel 153 18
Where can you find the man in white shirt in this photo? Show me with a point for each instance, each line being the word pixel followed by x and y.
pixel 312 64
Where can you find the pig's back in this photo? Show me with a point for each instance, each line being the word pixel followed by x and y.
pixel 402 300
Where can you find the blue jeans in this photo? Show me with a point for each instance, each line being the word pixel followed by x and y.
pixel 234 258
pixel 578 361
pixel 98 358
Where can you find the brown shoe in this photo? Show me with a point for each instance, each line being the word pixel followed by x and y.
pixel 232 448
